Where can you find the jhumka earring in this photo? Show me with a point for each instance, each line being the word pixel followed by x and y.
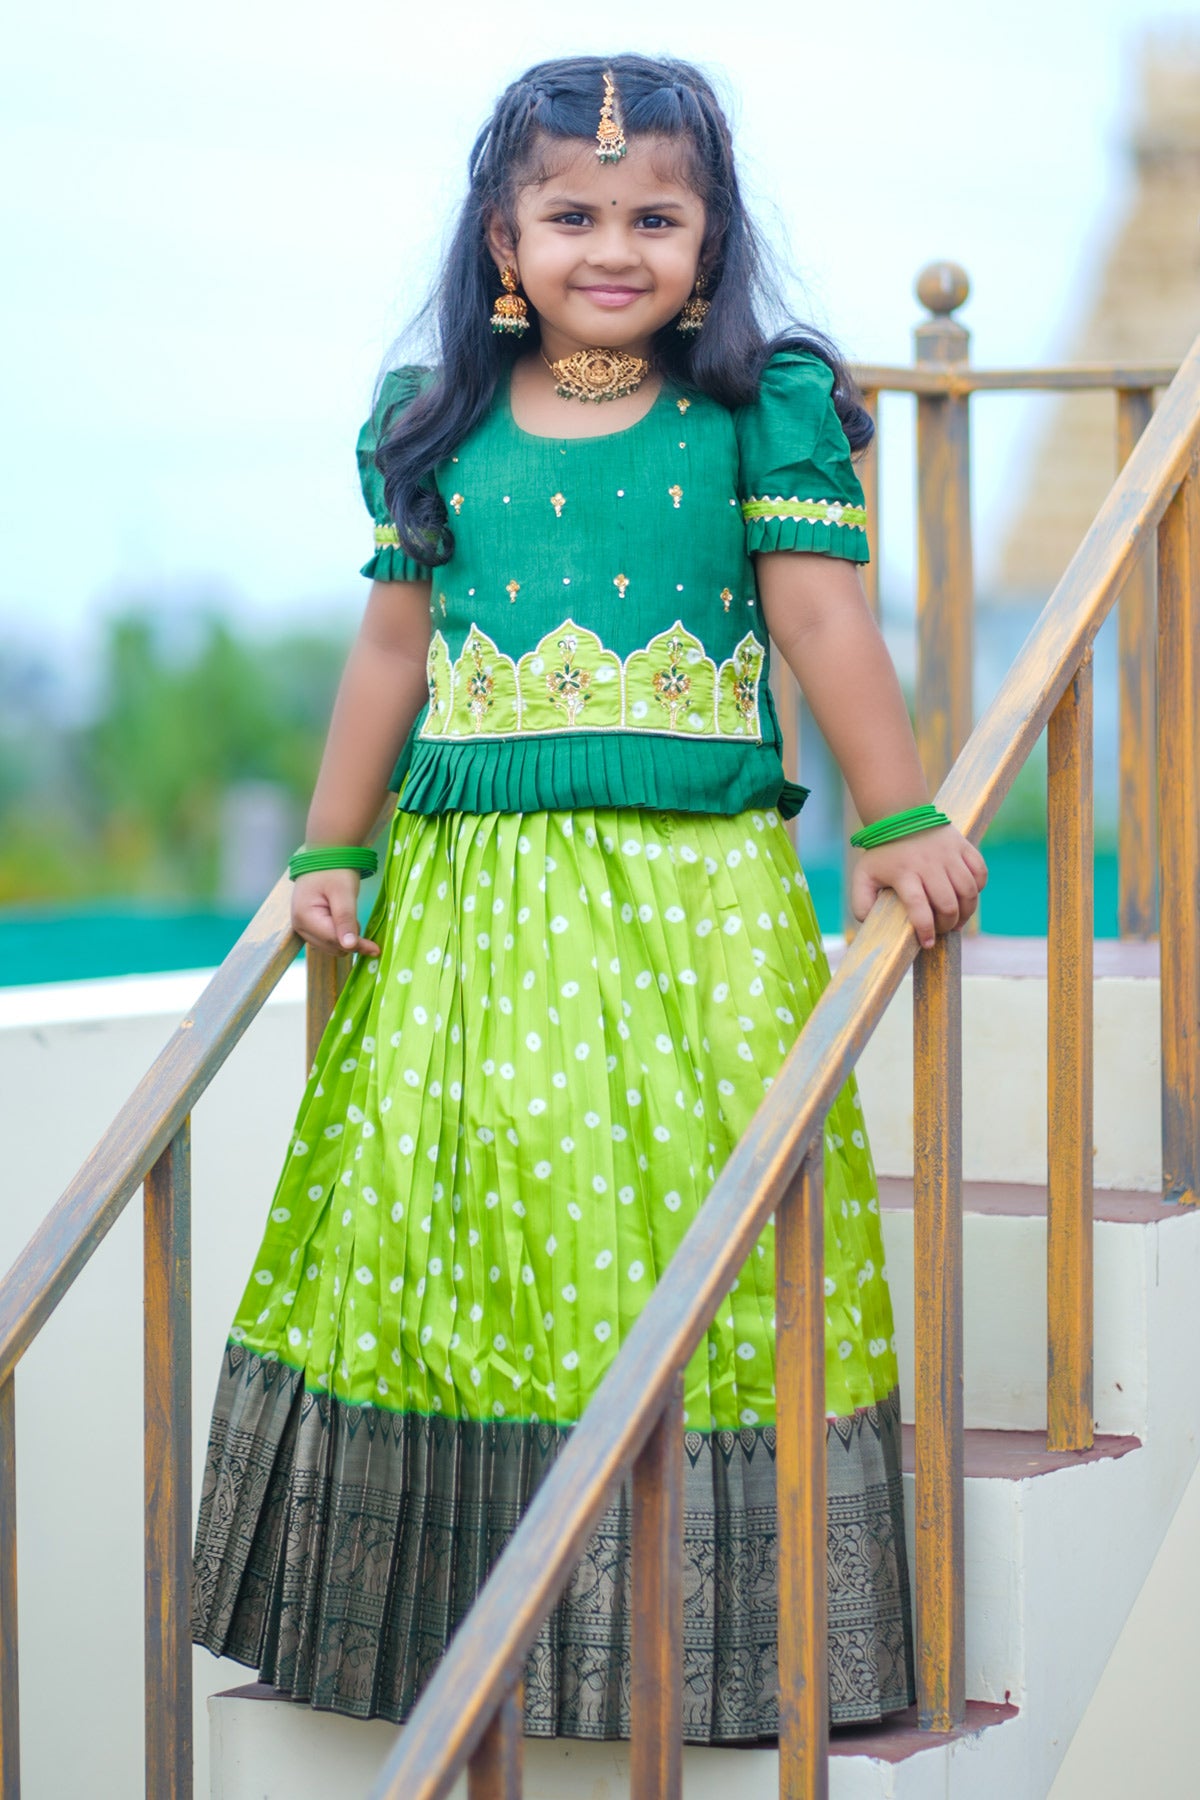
pixel 510 312
pixel 695 310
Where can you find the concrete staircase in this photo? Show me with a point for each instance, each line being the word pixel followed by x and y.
pixel 1057 1546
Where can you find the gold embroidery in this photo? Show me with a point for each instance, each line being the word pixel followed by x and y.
pixel 683 405
pixel 745 681
pixel 568 684
pixel 480 685
pixel 558 501
pixel 676 494
pixel 621 582
pixel 456 501
pixel 673 684
pixel 442 604
pixel 726 597
pixel 512 589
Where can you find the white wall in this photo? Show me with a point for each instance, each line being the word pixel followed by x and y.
pixel 66 1064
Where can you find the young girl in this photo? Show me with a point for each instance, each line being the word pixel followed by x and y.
pixel 593 949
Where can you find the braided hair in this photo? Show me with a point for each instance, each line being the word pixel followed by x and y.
pixel 555 101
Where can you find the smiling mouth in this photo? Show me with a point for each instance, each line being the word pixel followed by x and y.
pixel 602 291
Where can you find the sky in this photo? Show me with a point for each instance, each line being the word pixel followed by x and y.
pixel 217 219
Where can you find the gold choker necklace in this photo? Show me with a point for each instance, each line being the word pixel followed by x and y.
pixel 598 374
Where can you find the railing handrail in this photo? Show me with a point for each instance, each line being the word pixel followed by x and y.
pixel 95 1199
pixel 956 380
pixel 486 1661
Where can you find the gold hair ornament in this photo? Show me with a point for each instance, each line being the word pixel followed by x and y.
pixel 510 312
pixel 598 374
pixel 610 137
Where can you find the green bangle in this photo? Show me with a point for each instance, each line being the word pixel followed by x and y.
pixel 899 825
pixel 332 856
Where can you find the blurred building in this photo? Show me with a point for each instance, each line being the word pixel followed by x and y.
pixel 1145 307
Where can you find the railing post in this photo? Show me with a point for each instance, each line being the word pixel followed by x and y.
pixel 1179 837
pixel 324 979
pixel 1070 850
pixel 937 1255
pixel 495 1771
pixel 10 1737
pixel 1136 910
pixel 800 1475
pixel 656 1699
pixel 168 1471
pixel 944 578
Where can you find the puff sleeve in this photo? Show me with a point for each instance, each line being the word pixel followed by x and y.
pixel 798 488
pixel 399 389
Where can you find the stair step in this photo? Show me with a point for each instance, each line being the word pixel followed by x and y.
pixel 1135 1236
pixel 267 1748
pixel 1027 1200
pixel 1020 1455
pixel 1004 1006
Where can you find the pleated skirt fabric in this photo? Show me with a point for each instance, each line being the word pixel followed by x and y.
pixel 515 1114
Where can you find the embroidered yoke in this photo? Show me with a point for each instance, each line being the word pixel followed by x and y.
pixel 598 637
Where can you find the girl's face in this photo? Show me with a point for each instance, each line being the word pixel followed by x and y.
pixel 606 253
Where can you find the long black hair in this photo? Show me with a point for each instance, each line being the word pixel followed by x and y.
pixel 658 97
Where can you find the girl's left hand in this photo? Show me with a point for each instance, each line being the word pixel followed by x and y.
pixel 937 875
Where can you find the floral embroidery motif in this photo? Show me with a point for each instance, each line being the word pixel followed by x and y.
pixel 558 501
pixel 456 501
pixel 726 598
pixel 568 684
pixel 621 582
pixel 386 535
pixel 571 682
pixel 673 684
pixel 683 405
pixel 512 589
pixel 745 681
pixel 676 494
pixel 481 684
pixel 440 679
pixel 820 512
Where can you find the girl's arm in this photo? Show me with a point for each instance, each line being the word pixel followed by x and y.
pixel 382 689
pixel 818 616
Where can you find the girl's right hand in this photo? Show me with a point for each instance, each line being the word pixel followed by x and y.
pixel 325 912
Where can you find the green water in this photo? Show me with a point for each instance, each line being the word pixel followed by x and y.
pixel 128 939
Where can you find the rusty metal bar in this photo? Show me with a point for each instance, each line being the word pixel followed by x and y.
pixel 495 1770
pixel 937 1255
pixel 1179 837
pixel 1071 846
pixel 944 578
pixel 800 1478
pixel 324 980
pixel 10 1717
pixel 656 1699
pixel 168 1470
pixel 1137 912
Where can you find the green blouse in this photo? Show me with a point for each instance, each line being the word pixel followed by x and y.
pixel 597 633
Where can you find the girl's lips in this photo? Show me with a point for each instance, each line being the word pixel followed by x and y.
pixel 612 296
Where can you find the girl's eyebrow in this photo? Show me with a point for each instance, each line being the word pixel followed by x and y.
pixel 567 203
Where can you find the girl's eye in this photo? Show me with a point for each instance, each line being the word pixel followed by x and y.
pixel 655 220
pixel 572 218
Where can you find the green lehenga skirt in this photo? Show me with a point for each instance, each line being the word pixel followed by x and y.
pixel 514 1117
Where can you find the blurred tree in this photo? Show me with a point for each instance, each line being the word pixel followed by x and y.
pixel 129 803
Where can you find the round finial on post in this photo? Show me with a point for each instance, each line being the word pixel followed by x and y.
pixel 942 287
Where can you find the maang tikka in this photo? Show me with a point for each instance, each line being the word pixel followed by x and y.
pixel 695 310
pixel 610 137
pixel 510 312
